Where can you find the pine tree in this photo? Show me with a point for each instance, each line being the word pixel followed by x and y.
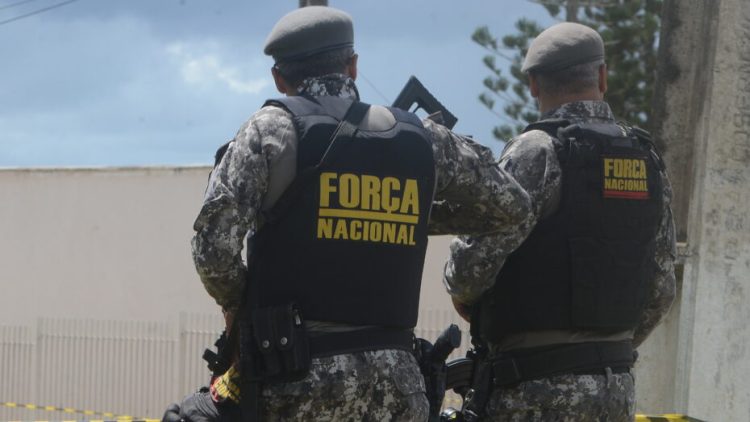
pixel 630 30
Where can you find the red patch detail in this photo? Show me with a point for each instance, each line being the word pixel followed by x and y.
pixel 625 195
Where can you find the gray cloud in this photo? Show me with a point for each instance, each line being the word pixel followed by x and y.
pixel 122 82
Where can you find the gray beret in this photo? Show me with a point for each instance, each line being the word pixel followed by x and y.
pixel 563 45
pixel 308 31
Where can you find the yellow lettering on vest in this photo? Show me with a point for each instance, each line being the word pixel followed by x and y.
pixel 389 185
pixel 370 193
pixel 627 168
pixel 618 168
pixel 325 228
pixel 355 230
pixel 389 233
pixel 349 190
pixel 376 231
pixel 410 202
pixel 326 188
pixel 411 236
pixel 609 166
pixel 366 231
pixel 403 235
pixel 641 169
pixel 341 232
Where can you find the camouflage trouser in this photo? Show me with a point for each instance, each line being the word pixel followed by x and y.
pixel 566 398
pixel 383 385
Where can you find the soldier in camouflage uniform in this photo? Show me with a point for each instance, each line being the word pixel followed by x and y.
pixel 554 361
pixel 314 58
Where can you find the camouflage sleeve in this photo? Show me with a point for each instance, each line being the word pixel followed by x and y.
pixel 475 195
pixel 475 261
pixel 234 196
pixel 662 288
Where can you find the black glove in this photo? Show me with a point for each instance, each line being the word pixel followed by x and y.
pixel 172 414
pixel 199 407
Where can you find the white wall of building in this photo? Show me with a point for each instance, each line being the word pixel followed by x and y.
pixel 114 244
pixel 100 243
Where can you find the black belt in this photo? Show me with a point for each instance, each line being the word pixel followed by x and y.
pixel 603 371
pixel 582 358
pixel 360 341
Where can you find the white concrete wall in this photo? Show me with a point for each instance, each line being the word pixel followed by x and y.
pixel 114 244
pixel 109 243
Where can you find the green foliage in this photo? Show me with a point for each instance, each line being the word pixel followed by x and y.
pixel 630 30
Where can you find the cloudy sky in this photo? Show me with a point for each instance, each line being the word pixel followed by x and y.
pixel 165 82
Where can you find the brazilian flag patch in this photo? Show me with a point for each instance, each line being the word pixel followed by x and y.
pixel 625 177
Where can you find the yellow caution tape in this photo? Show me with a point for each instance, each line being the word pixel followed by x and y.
pixel 672 417
pixel 110 415
pixel 125 418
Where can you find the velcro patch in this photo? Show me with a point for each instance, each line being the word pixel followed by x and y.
pixel 625 177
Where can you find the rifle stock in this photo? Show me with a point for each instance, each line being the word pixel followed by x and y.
pixel 416 93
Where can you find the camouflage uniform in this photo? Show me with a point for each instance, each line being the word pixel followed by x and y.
pixel 475 261
pixel 566 398
pixel 258 165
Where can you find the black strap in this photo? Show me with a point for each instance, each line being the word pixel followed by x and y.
pixel 548 125
pixel 360 341
pixel 574 358
pixel 344 131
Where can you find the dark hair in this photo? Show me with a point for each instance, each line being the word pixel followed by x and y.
pixel 571 80
pixel 334 61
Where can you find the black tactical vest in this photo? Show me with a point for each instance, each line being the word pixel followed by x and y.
pixel 351 246
pixel 586 266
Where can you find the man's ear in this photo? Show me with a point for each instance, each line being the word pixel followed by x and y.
pixel 352 67
pixel 603 78
pixel 281 83
pixel 533 86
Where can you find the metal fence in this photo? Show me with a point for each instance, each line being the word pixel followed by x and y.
pixel 130 368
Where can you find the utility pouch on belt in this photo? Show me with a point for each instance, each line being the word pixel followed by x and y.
pixel 282 344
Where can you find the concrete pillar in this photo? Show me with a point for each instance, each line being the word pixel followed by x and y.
pixel 683 80
pixel 702 116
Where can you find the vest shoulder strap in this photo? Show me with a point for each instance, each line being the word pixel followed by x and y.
pixel 645 138
pixel 554 128
pixel 404 116
pixel 305 105
pixel 345 130
pixel 551 126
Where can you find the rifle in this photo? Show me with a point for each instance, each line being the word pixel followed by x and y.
pixel 416 93
pixel 431 360
pixel 219 362
pixel 470 377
